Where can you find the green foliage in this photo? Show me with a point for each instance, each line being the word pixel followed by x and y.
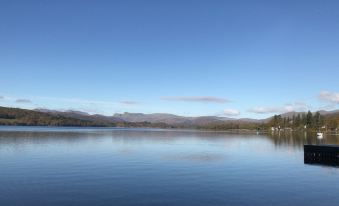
pixel 307 121
pixel 235 125
pixel 309 117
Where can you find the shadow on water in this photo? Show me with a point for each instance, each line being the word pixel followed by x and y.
pixel 323 151
pixel 299 139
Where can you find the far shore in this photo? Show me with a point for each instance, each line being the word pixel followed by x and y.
pixel 235 131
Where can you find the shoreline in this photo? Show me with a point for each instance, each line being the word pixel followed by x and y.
pixel 235 131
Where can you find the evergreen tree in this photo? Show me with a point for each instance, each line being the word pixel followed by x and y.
pixel 309 119
pixel 317 120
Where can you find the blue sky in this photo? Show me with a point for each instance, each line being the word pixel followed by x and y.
pixel 227 58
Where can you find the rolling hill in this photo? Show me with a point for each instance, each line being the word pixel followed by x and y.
pixel 45 117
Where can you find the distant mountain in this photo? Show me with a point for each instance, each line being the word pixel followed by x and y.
pixel 156 117
pixel 168 119
pixel 77 112
pixel 16 116
pixel 45 110
pixel 171 119
pixel 165 118
pixel 333 112
pixel 82 115
pixel 177 120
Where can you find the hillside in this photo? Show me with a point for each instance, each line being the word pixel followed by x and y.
pixel 15 116
pixel 168 119
pixel 44 117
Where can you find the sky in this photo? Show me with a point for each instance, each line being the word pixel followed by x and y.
pixel 187 57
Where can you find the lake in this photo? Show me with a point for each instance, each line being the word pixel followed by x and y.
pixel 111 166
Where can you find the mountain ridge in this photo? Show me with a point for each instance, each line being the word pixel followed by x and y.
pixel 45 117
pixel 173 119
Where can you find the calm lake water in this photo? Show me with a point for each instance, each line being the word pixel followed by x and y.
pixel 89 166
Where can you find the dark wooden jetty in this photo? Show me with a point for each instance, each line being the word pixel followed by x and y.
pixel 321 154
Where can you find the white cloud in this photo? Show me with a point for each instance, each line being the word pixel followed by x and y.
pixel 203 99
pixel 332 97
pixel 264 110
pixel 291 107
pixel 230 112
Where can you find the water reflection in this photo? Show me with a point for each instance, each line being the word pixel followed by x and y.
pixel 109 166
pixel 299 139
pixel 36 135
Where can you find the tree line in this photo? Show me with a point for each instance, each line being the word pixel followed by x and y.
pixel 305 121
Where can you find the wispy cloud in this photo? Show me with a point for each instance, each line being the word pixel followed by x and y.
pixel 332 97
pixel 2 97
pixel 290 107
pixel 230 112
pixel 23 101
pixel 203 99
pixel 129 102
